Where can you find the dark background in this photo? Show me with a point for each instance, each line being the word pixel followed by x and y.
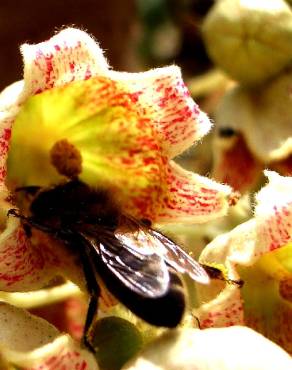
pixel 129 30
pixel 112 22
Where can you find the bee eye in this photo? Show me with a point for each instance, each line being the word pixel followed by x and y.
pixel 226 132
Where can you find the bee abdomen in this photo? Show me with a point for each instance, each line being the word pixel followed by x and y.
pixel 166 310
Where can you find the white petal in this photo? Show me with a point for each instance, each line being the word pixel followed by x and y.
pixel 30 342
pixel 234 348
pixel 69 56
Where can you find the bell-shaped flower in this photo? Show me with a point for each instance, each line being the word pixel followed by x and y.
pixel 259 252
pixel 253 132
pixel 73 116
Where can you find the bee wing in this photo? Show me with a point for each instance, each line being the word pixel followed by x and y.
pixel 179 259
pixel 173 255
pixel 144 272
pixel 139 279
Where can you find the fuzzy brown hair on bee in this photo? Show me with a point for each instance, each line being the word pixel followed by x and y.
pixel 137 264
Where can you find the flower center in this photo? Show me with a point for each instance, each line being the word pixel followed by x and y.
pixel 92 130
pixel 66 158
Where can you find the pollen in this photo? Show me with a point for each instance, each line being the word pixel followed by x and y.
pixel 66 158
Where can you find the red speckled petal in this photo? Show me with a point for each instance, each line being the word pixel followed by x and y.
pixel 22 267
pixel 10 100
pixel 62 356
pixel 177 117
pixel 25 266
pixel 227 310
pixel 190 197
pixel 5 132
pixel 274 213
pixel 221 303
pixel 258 252
pixel 69 56
pixel 73 55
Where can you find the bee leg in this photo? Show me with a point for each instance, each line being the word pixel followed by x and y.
pixel 29 222
pixel 198 321
pixel 94 292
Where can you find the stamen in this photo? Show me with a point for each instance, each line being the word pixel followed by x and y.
pixel 66 158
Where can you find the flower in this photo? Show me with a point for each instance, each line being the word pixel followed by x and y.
pixel 259 252
pixel 253 132
pixel 144 119
pixel 29 342
pixel 253 128
pixel 72 116
pixel 221 349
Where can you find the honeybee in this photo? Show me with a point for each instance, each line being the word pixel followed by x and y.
pixel 137 264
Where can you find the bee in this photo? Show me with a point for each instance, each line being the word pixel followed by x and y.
pixel 137 264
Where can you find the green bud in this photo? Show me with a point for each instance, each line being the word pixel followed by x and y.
pixel 116 340
pixel 250 40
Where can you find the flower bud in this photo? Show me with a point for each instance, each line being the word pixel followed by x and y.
pixel 250 40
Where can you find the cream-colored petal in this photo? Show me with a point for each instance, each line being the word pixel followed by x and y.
pixel 247 253
pixel 70 55
pixel 22 266
pixel 47 296
pixel 235 348
pixel 177 118
pixel 31 343
pixel 28 264
pixel 274 213
pixel 191 198
pixel 73 55
pixel 20 331
pixel 61 354
pixel 9 97
pixel 262 115
pixel 220 303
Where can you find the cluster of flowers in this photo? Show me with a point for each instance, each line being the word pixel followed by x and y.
pixel 127 128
